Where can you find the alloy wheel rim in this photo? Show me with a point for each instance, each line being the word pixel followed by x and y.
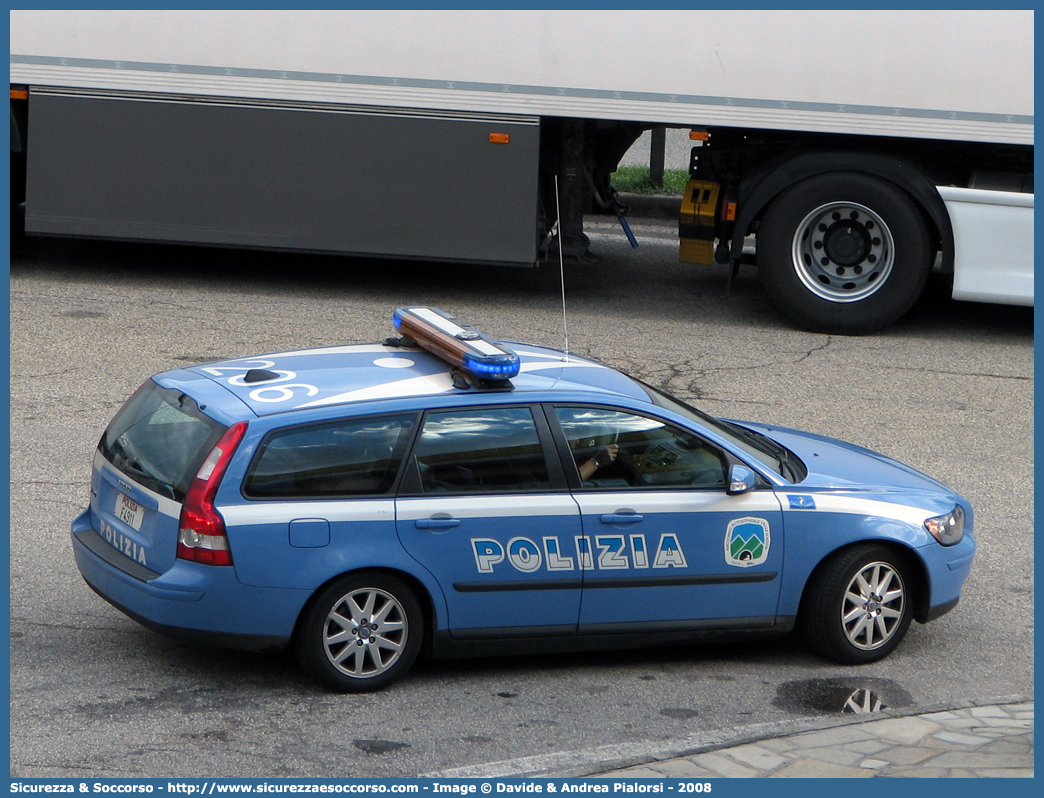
pixel 365 633
pixel 873 606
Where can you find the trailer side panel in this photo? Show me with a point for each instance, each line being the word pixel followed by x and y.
pixel 284 177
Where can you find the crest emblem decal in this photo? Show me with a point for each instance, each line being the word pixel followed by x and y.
pixel 747 542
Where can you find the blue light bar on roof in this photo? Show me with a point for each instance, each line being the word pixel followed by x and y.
pixel 456 343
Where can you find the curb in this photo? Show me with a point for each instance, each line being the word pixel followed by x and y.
pixel 652 207
pixel 602 759
pixel 648 206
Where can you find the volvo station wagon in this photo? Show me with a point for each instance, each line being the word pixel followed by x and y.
pixel 446 494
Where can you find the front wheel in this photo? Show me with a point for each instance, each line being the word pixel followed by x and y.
pixel 361 632
pixel 859 605
pixel 844 253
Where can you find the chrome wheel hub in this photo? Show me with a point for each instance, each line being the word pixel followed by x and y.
pixel 843 252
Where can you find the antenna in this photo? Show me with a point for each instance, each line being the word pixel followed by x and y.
pixel 561 271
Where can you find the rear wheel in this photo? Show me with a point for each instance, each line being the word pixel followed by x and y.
pixel 859 605
pixel 844 252
pixel 361 632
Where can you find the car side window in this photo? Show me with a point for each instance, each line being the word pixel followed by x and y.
pixel 614 450
pixel 481 450
pixel 349 457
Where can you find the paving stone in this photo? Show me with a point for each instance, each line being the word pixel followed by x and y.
pixel 904 730
pixel 918 773
pixel 1006 773
pixel 981 742
pixel 1025 735
pixel 683 768
pixel 779 745
pixel 963 723
pixel 841 736
pixel 839 756
pixel 936 717
pixel 1009 745
pixel 955 759
pixel 988 712
pixel 756 757
pixel 661 767
pixel 899 755
pixel 640 772
pixel 993 734
pixel 868 746
pixel 1010 723
pixel 724 766
pixel 941 745
pixel 814 769
pixel 961 739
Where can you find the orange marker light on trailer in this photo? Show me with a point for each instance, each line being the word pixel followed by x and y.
pixel 19 94
pixel 499 138
pixel 699 135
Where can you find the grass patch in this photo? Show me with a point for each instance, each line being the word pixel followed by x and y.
pixel 635 180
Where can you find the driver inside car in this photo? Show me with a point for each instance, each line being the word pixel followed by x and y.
pixel 606 455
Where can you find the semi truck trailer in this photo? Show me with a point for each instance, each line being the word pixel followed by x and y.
pixel 858 151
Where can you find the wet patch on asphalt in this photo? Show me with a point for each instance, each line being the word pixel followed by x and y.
pixel 850 695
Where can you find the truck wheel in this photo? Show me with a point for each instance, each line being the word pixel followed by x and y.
pixel 844 253
pixel 858 606
pixel 361 633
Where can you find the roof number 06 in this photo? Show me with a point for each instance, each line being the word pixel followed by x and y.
pixel 265 393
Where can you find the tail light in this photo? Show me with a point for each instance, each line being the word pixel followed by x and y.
pixel 201 530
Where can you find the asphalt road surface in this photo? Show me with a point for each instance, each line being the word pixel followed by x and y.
pixel 948 390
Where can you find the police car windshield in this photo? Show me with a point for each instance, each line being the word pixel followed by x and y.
pixel 766 451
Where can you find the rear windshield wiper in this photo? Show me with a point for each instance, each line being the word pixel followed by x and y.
pixel 126 463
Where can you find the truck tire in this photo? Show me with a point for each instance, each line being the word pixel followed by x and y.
pixel 361 632
pixel 844 252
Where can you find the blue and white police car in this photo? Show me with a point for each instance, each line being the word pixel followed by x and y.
pixel 444 493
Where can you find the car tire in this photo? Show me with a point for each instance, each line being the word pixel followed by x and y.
pixel 329 644
pixel 859 605
pixel 844 253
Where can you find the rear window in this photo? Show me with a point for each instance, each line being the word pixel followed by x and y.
pixel 350 457
pixel 160 439
pixel 491 450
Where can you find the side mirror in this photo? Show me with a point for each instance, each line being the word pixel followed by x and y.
pixel 741 480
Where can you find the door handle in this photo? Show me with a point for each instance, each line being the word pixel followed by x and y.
pixel 437 522
pixel 622 518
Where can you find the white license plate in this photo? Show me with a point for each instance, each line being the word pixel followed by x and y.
pixel 130 512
